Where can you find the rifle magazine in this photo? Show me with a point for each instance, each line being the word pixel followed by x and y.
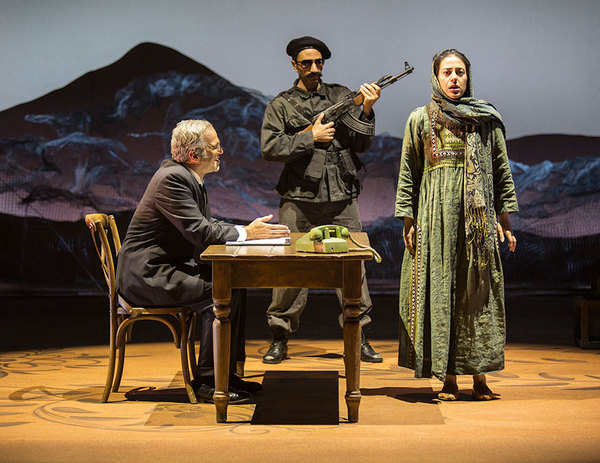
pixel 364 128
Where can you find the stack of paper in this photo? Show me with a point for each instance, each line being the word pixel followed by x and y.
pixel 265 242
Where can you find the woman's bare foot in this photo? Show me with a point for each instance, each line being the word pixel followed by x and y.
pixel 481 391
pixel 449 391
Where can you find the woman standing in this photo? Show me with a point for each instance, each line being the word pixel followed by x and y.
pixel 455 192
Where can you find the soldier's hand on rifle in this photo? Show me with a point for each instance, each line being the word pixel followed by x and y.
pixel 322 133
pixel 370 93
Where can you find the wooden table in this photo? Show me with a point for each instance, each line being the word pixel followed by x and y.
pixel 283 267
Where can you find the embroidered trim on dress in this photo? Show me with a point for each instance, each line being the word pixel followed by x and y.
pixel 449 162
pixel 415 284
pixel 436 152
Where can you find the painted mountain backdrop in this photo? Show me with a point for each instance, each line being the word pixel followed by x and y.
pixel 94 144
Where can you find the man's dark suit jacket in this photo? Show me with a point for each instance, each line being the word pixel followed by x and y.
pixel 159 261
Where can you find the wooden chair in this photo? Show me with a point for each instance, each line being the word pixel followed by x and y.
pixel 123 315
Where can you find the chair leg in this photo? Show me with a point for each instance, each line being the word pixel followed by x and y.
pixel 121 343
pixel 240 366
pixel 111 359
pixel 192 346
pixel 128 334
pixel 183 348
pixel 119 373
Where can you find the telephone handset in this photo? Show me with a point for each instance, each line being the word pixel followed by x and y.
pixel 318 233
pixel 330 239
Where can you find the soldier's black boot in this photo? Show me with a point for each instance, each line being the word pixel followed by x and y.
pixel 367 353
pixel 278 350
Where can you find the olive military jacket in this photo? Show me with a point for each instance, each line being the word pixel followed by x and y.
pixel 313 172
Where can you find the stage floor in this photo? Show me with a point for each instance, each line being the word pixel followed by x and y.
pixel 50 411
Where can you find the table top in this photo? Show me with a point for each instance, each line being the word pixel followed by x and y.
pixel 222 252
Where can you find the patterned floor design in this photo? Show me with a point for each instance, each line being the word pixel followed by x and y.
pixel 50 410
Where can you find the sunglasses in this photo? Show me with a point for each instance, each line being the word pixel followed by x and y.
pixel 307 63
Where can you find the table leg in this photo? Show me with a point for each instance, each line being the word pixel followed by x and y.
pixel 221 336
pixel 351 310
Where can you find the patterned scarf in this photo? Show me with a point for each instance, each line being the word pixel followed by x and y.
pixel 479 209
pixel 465 110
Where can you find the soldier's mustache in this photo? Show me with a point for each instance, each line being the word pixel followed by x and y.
pixel 314 74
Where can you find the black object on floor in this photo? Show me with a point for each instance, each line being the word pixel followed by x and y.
pixel 152 394
pixel 298 397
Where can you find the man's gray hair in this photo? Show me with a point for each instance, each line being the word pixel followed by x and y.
pixel 189 135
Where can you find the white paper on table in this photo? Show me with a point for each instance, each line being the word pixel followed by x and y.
pixel 285 241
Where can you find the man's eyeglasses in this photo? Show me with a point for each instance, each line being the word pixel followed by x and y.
pixel 216 147
pixel 307 63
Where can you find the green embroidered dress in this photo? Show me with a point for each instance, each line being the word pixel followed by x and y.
pixel 454 179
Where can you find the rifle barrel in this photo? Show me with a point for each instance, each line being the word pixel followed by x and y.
pixel 386 80
pixel 389 80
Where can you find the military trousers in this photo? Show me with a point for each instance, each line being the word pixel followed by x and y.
pixel 287 304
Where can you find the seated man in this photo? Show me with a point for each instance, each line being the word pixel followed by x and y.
pixel 159 262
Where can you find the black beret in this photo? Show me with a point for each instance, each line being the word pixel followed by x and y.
pixel 297 45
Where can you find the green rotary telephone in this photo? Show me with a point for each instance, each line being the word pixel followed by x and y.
pixel 330 239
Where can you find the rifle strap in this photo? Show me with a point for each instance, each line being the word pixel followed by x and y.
pixel 294 107
pixel 353 123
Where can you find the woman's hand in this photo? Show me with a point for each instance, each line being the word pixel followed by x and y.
pixel 409 234
pixel 504 230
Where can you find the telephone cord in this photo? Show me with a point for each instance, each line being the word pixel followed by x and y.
pixel 376 255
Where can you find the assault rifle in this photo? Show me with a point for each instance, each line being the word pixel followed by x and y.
pixel 341 111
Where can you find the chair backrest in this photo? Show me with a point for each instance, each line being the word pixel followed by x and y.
pixel 102 225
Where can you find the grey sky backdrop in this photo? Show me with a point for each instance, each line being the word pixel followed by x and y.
pixel 538 61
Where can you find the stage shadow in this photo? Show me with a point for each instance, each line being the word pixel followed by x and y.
pixel 329 355
pixel 151 394
pixel 298 398
pixel 424 395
